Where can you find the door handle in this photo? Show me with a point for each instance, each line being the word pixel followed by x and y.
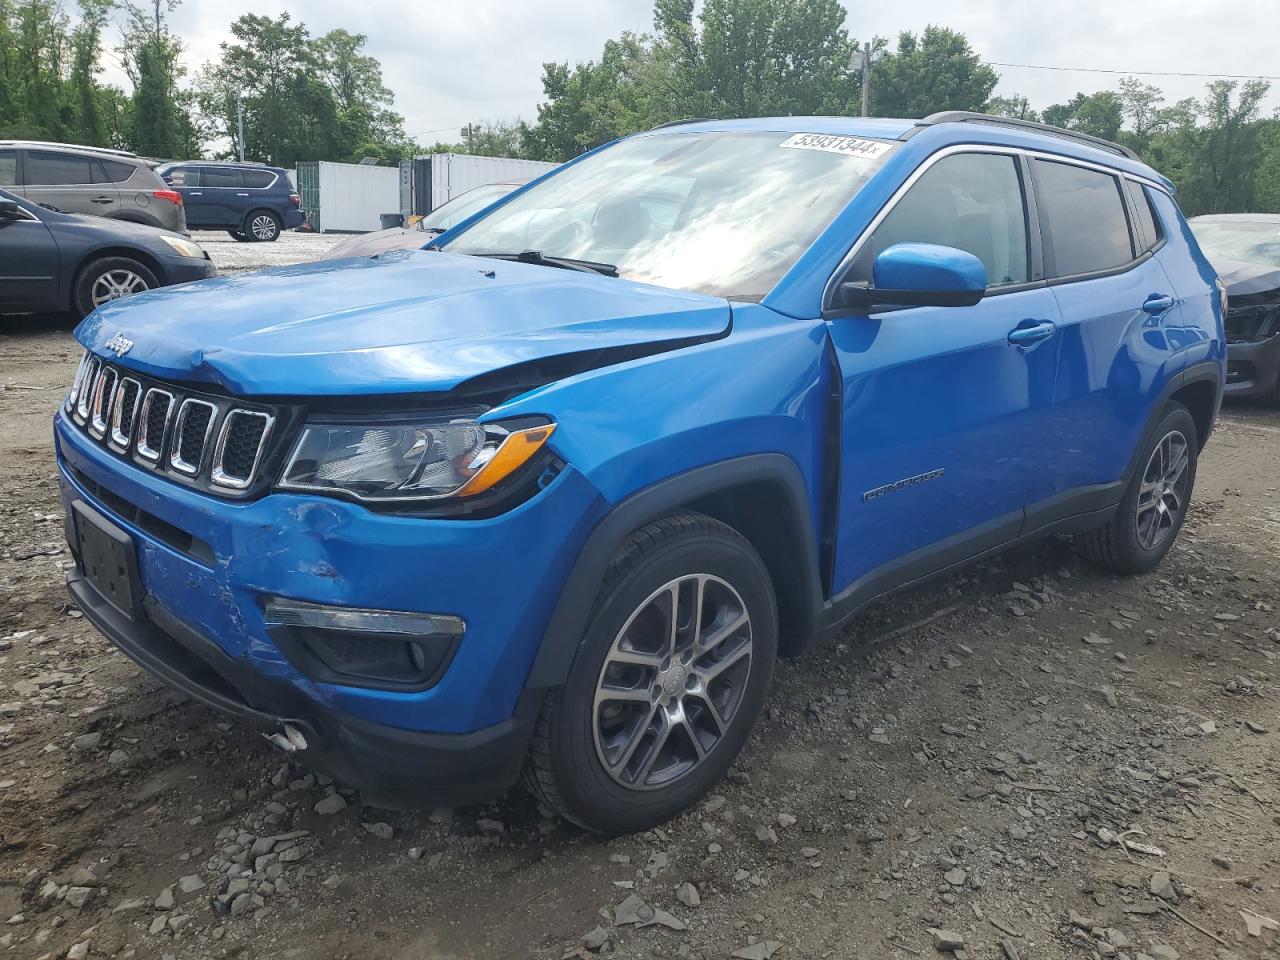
pixel 1157 303
pixel 1032 331
pixel 241 194
pixel 104 200
pixel 195 193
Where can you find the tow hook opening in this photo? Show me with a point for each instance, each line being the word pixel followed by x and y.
pixel 289 739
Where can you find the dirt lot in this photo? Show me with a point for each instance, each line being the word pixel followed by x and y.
pixel 1038 759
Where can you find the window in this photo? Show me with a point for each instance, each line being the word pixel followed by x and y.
pixel 58 169
pixel 1083 223
pixel 217 177
pixel 8 168
pixel 972 201
pixel 1148 226
pixel 258 178
pixel 113 171
pixel 181 176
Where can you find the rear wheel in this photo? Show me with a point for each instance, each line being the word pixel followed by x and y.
pixel 107 279
pixel 1155 503
pixel 667 683
pixel 262 226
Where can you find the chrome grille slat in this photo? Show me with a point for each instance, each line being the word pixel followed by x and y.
pixel 233 475
pixel 149 447
pixel 186 436
pixel 182 449
pixel 124 414
pixel 103 393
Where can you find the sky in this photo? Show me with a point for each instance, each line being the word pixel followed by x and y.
pixel 451 62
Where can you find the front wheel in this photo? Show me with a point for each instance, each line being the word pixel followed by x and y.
pixel 107 279
pixel 667 682
pixel 1155 503
pixel 238 235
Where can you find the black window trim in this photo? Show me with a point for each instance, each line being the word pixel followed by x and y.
pixel 1034 237
pixel 1162 230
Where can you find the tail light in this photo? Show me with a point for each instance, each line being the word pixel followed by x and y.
pixel 173 196
pixel 293 198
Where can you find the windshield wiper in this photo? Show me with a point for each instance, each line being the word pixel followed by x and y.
pixel 564 263
pixel 433 231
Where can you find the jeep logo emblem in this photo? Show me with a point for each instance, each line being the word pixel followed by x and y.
pixel 119 345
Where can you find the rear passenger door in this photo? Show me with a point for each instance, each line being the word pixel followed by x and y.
pixel 72 182
pixel 1114 350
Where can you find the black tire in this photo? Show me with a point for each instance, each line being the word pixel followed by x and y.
pixel 261 226
pixel 82 291
pixel 238 236
pixel 564 768
pixel 1119 545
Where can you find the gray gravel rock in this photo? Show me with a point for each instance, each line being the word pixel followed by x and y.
pixel 330 804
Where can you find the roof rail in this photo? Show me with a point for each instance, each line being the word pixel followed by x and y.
pixel 968 116
pixel 72 146
pixel 676 123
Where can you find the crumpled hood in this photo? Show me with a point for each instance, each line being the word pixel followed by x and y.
pixel 405 322
pixel 1242 279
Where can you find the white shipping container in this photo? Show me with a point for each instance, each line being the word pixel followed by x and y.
pixel 456 173
pixel 353 197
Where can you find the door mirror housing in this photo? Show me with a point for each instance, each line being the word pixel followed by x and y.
pixel 9 210
pixel 920 275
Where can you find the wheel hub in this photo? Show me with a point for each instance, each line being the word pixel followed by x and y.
pixel 672 682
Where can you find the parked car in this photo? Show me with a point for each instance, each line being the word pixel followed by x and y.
pixel 250 201
pixel 1245 249
pixel 551 497
pixel 52 261
pixel 103 183
pixel 433 224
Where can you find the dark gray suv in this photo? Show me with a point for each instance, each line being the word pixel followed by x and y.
pixel 92 180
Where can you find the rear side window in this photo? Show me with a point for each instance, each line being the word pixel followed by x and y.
pixel 972 201
pixel 258 178
pixel 216 177
pixel 1083 223
pixel 8 168
pixel 113 171
pixel 59 169
pixel 1148 226
pixel 183 176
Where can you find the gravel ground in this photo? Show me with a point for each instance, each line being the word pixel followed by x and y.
pixel 233 256
pixel 1026 760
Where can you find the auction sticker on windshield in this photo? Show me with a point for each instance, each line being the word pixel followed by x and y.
pixel 849 146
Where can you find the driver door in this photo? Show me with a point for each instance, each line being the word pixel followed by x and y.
pixel 942 411
pixel 28 263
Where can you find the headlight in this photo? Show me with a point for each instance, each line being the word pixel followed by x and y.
pixel 184 246
pixel 410 460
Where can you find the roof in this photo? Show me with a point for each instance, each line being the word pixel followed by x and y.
pixel 942 129
pixel 1236 218
pixel 74 147
pixel 245 164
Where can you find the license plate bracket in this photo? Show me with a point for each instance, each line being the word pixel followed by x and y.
pixel 108 557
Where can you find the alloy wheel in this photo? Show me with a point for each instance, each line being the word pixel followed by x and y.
pixel 115 284
pixel 672 682
pixel 263 227
pixel 1163 494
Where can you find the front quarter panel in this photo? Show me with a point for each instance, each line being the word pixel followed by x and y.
pixel 761 389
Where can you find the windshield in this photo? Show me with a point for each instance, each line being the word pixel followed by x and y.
pixel 1240 240
pixel 464 205
pixel 720 213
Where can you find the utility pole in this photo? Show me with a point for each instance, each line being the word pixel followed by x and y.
pixel 866 78
pixel 240 121
pixel 860 62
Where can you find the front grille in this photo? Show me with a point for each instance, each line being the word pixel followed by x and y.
pixel 214 442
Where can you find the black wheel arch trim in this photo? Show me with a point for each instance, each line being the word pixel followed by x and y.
pixel 566 628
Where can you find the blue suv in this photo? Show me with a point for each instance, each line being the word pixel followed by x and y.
pixel 549 496
pixel 250 201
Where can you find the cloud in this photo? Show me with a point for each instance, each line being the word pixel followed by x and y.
pixel 459 62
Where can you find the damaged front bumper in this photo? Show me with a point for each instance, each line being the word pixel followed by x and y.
pixel 1253 348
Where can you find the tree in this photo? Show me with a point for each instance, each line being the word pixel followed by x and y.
pixel 1098 114
pixel 86 94
pixel 1140 105
pixel 159 124
pixel 935 71
pixel 1016 107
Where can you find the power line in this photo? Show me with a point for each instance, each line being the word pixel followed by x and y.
pixel 1138 73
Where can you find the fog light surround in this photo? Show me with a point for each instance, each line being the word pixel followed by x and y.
pixel 359 647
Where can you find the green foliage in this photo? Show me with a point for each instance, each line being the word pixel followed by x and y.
pixel 936 71
pixel 157 123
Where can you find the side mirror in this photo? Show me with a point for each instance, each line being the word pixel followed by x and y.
pixel 920 275
pixel 9 210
